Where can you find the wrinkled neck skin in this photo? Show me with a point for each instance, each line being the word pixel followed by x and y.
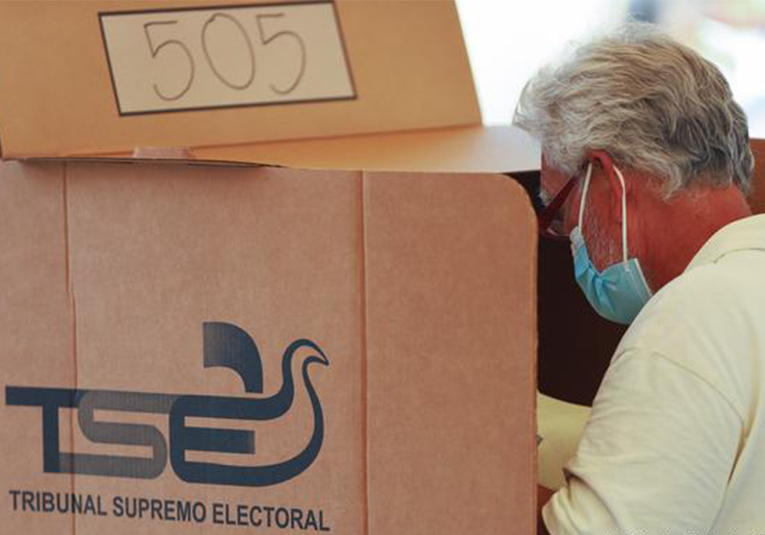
pixel 665 235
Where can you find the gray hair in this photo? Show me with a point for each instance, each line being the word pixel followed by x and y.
pixel 649 102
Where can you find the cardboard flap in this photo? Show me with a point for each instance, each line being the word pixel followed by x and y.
pixel 494 149
pixel 450 270
pixel 36 330
pixel 84 78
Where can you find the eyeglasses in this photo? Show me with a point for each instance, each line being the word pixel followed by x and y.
pixel 549 220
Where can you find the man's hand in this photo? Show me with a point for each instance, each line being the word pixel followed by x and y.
pixel 543 496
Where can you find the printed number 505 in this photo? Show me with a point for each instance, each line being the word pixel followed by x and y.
pixel 267 31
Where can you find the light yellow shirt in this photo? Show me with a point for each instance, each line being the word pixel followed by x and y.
pixel 675 444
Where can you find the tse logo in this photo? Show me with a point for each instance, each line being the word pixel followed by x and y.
pixel 225 345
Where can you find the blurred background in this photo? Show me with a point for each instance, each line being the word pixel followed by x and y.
pixel 508 41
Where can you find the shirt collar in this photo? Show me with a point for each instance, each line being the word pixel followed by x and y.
pixel 743 234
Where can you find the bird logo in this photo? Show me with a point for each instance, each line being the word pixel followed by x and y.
pixel 224 345
pixel 228 346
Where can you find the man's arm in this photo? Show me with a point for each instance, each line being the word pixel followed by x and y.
pixel 655 457
pixel 543 496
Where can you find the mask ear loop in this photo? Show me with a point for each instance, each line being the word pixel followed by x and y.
pixel 585 187
pixel 624 214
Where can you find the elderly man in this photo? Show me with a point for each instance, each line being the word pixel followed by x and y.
pixel 646 166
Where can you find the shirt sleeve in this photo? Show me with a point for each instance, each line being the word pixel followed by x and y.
pixel 655 457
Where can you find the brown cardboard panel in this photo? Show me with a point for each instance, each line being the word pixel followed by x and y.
pixel 407 59
pixel 450 266
pixel 417 288
pixel 488 149
pixel 158 251
pixel 36 342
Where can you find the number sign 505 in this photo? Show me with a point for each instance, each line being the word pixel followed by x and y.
pixel 158 46
pixel 207 57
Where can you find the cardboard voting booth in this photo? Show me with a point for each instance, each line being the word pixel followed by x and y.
pixel 322 317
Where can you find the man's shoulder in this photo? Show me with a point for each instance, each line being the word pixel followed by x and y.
pixel 705 294
pixel 712 300
pixel 688 311
pixel 708 322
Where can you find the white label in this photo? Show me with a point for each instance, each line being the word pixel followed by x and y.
pixel 201 58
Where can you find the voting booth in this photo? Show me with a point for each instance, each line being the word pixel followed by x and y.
pixel 261 268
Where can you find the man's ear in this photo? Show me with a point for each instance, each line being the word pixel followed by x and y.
pixel 603 165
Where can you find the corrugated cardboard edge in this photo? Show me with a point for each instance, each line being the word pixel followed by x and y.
pixel 535 345
pixel 73 313
pixel 532 415
pixel 475 149
pixel 535 371
pixel 150 161
pixel 362 278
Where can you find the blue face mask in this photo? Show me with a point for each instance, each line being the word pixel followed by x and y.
pixel 620 291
